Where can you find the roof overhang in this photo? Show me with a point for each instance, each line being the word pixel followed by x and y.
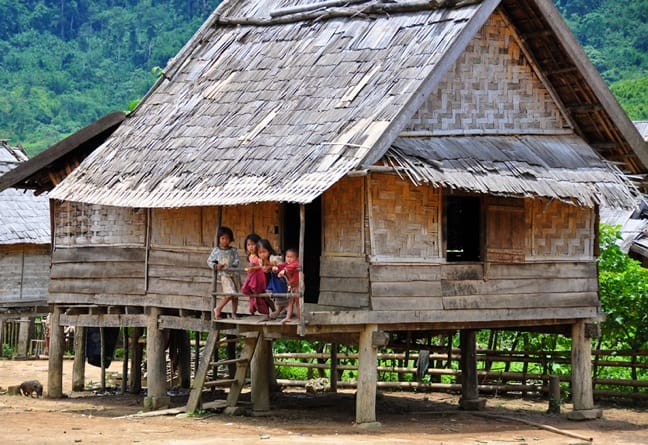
pixel 47 169
pixel 559 167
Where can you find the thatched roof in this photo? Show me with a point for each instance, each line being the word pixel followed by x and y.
pixel 24 218
pixel 560 166
pixel 276 101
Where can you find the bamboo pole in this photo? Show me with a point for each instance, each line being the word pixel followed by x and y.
pixel 302 254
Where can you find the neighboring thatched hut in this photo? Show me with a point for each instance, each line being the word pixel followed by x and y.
pixel 439 164
pixel 24 253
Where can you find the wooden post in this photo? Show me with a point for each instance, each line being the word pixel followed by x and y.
pixel 155 363
pixel 469 393
pixel 197 350
pixel 581 378
pixel 23 337
pixel 334 368
pixel 367 377
pixel 260 375
pixel 184 359
pixel 135 384
pixel 554 395
pixel 102 344
pixel 55 364
pixel 78 369
pixel 124 380
pixel 302 255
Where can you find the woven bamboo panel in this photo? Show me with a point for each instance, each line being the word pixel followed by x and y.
pixel 79 224
pixel 560 230
pixel 404 218
pixel 262 218
pixel 342 209
pixel 492 88
pixel 196 226
pixel 176 227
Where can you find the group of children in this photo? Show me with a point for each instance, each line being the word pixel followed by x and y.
pixel 265 274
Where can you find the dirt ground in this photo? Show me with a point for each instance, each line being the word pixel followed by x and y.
pixel 296 417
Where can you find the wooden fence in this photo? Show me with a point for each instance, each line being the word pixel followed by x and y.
pixel 499 371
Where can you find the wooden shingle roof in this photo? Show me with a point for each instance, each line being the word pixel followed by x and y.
pixel 558 166
pixel 24 218
pixel 276 101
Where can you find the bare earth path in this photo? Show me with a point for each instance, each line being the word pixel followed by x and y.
pixel 297 417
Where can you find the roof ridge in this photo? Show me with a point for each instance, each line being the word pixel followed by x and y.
pixel 341 8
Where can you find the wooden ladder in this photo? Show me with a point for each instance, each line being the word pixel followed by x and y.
pixel 242 364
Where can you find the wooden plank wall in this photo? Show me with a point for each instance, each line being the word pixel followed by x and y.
pixel 344 282
pixel 102 255
pixel 80 274
pixel 24 272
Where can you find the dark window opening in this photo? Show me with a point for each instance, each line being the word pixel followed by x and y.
pixel 463 228
pixel 310 258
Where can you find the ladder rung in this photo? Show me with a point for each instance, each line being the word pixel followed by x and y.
pixel 227 340
pixel 229 362
pixel 222 382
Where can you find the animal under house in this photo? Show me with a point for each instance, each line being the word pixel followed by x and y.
pixel 439 165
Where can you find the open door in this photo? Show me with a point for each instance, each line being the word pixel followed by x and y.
pixel 310 258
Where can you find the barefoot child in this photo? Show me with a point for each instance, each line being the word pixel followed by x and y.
pixel 290 270
pixel 222 258
pixel 255 282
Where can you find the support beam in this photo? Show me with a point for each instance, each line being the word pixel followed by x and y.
pixel 581 378
pixel 367 377
pixel 155 363
pixel 55 365
pixel 184 359
pixel 260 375
pixel 124 380
pixel 24 332
pixel 78 368
pixel 469 393
pixel 135 383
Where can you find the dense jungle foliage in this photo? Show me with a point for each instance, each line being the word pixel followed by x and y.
pixel 65 63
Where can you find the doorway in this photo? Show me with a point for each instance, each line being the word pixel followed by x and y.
pixel 310 258
pixel 463 228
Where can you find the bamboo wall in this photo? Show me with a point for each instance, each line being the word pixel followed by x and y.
pixel 539 255
pixel 156 257
pixel 24 273
pixel 492 89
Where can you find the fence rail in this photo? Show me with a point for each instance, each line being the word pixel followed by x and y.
pixel 498 371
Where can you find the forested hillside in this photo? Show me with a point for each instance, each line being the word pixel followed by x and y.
pixel 65 63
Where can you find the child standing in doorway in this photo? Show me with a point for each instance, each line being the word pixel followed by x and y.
pixel 256 280
pixel 222 258
pixel 290 270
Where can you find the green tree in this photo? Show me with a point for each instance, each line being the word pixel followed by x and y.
pixel 624 294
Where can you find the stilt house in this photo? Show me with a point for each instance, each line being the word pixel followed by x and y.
pixel 440 165
pixel 24 253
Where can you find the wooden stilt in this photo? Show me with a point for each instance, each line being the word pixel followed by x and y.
pixel 367 377
pixel 78 368
pixel 242 366
pixel 102 337
pixel 22 348
pixel 135 384
pixel 55 365
pixel 196 351
pixel 334 368
pixel 124 380
pixel 184 359
pixel 260 375
pixel 581 378
pixel 469 393
pixel 155 363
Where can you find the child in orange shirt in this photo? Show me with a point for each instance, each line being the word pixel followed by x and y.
pixel 290 270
